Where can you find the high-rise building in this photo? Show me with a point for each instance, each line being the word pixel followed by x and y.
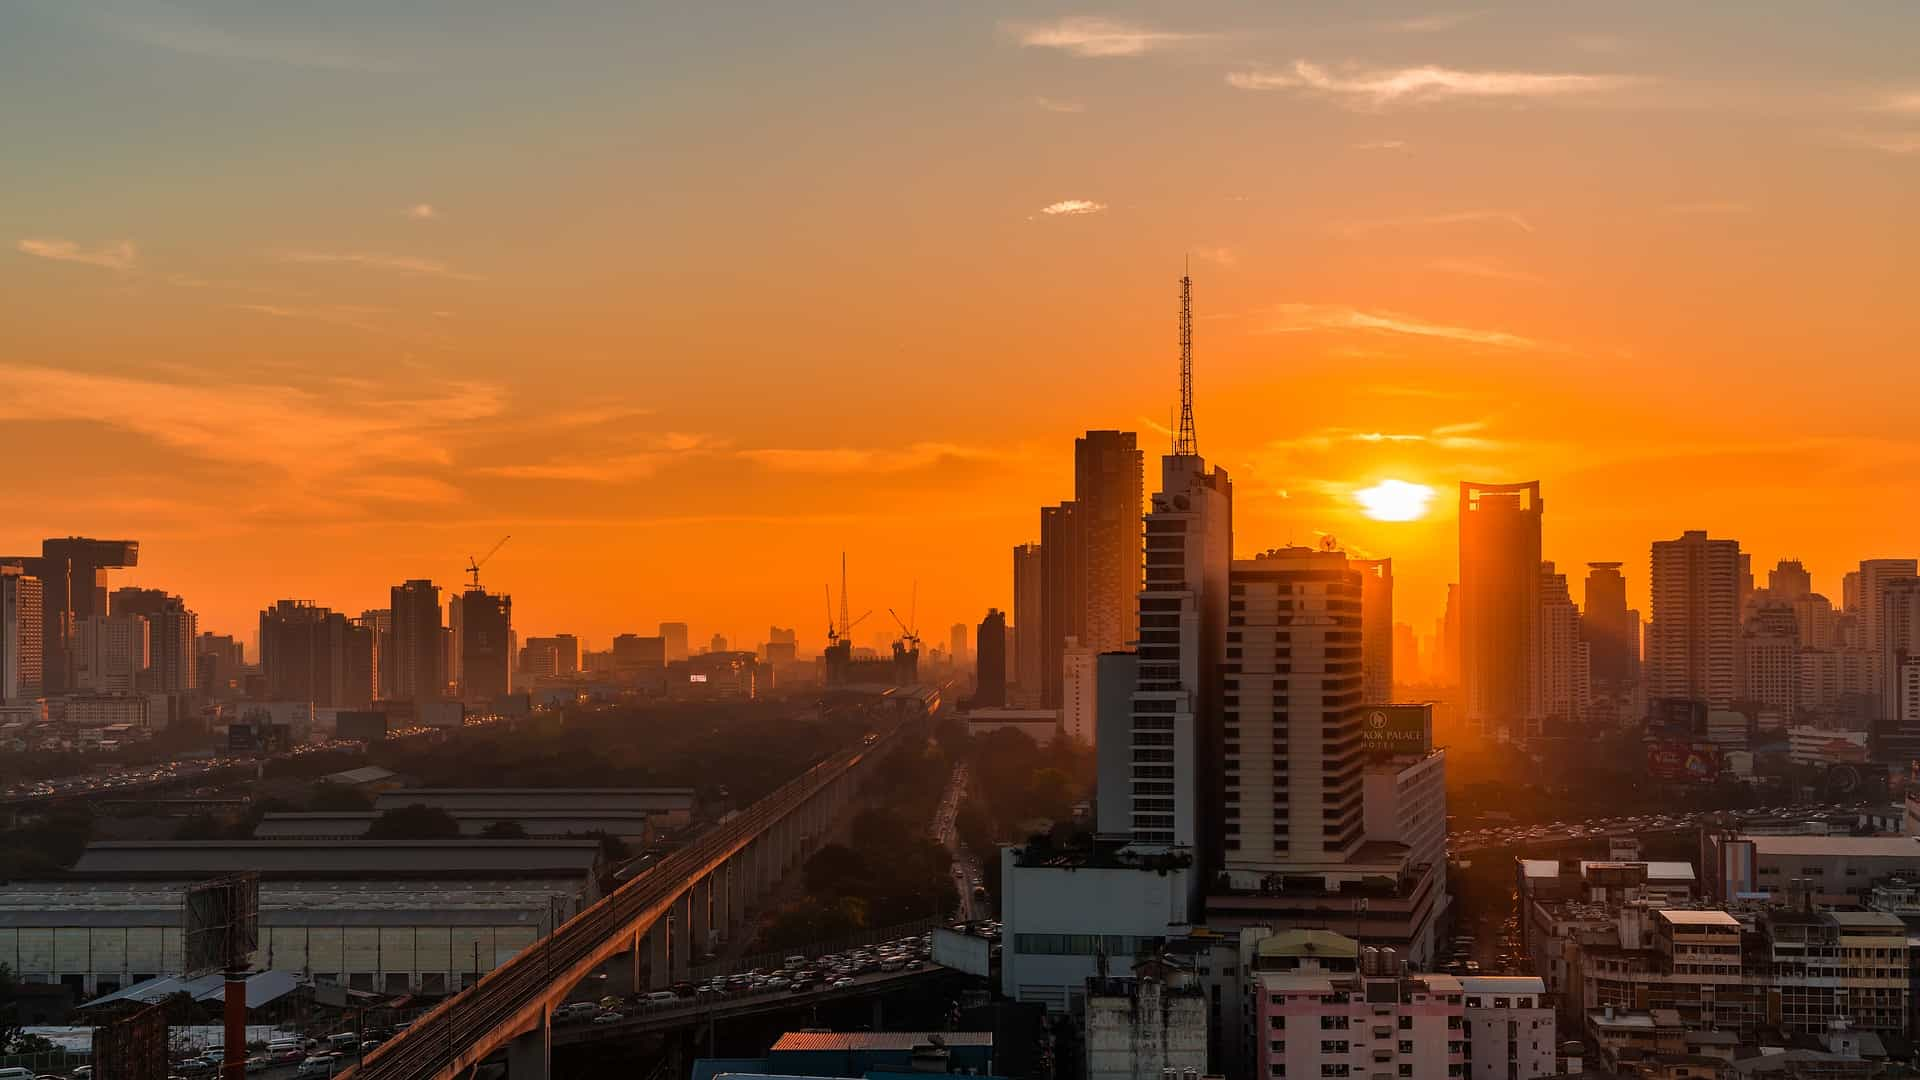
pixel 1376 628
pixel 1611 631
pixel 1447 638
pixel 486 660
pixel 633 653
pixel 1407 662
pixel 990 660
pixel 172 652
pixel 1815 617
pixel 1770 663
pixel 419 643
pixel 379 622
pixel 957 644
pixel 1850 592
pixel 1876 575
pixel 675 634
pixel 218 660
pixel 1789 581
pixel 309 653
pixel 1079 692
pixel 1177 737
pixel 563 650
pixel 73 587
pixel 717 644
pixel 1063 598
pixel 21 624
pixel 1693 638
pixel 1500 605
pixel 1565 675
pixel 1107 493
pixel 1899 609
pixel 111 652
pixel 1293 691
pixel 1025 668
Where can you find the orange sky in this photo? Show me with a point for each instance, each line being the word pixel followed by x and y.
pixel 312 302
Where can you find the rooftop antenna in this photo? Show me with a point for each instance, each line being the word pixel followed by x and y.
pixel 845 626
pixel 1186 443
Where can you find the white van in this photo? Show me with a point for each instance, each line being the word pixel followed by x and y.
pixel 16 1074
pixel 663 995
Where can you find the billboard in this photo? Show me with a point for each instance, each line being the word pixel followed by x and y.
pixel 222 923
pixel 1391 730
pixel 961 952
pixel 1682 762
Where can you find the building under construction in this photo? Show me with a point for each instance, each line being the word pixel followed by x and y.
pixel 844 669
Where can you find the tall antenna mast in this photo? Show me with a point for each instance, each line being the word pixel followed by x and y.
pixel 845 626
pixel 1186 442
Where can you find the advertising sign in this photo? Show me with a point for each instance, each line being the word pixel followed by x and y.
pixel 1682 762
pixel 1391 730
pixel 961 952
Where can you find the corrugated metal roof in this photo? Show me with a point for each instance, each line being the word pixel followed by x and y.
pixel 325 859
pixel 877 1040
pixel 262 987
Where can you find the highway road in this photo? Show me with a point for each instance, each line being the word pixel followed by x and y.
pixel 1472 841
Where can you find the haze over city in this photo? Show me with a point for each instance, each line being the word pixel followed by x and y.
pixel 689 303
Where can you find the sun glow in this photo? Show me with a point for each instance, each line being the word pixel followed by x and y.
pixel 1394 500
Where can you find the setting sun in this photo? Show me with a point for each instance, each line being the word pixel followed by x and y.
pixel 1395 500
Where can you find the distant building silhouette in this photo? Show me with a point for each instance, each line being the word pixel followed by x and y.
pixel 1565 659
pixel 1876 577
pixel 675 635
pixel 990 660
pixel 1789 581
pixel 1024 670
pixel 1500 605
pixel 72 572
pixel 1612 633
pixel 21 624
pixel 1079 692
pixel 309 653
pixel 1376 628
pixel 1108 497
pixel 1063 597
pixel 172 655
pixel 486 660
pixel 957 644
pixel 1693 637
pixel 633 653
pixel 419 646
pixel 219 664
pixel 379 622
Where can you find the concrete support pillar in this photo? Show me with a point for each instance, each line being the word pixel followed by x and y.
pixel 723 913
pixel 700 917
pixel 660 965
pixel 529 1055
pixel 682 952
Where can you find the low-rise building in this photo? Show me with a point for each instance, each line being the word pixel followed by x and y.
pixel 1144 1028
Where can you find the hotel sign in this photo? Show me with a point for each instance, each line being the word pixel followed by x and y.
pixel 1391 730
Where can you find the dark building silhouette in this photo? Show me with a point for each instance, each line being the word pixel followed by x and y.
pixel 173 654
pixel 1500 605
pixel 675 634
pixel 1612 632
pixel 990 660
pixel 21 624
pixel 486 646
pixel 308 653
pixel 419 643
pixel 1108 495
pixel 1063 596
pixel 73 588
pixel 1024 667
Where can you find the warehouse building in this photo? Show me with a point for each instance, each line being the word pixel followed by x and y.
pixel 388 916
pixel 671 808
pixel 628 826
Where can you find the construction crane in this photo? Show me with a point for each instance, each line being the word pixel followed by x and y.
pixel 843 631
pixel 474 565
pixel 909 628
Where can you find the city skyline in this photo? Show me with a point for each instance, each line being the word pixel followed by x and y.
pixel 399 365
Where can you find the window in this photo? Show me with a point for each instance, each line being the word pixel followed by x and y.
pixel 1333 1046
pixel 1278 1046
pixel 1333 1023
pixel 1278 1070
pixel 1333 1070
pixel 1406 1070
pixel 1406 1046
pixel 1406 1023
pixel 1278 1023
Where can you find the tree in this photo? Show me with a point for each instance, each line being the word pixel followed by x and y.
pixel 504 830
pixel 415 822
pixel 12 1039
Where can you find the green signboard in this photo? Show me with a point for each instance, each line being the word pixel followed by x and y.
pixel 1390 730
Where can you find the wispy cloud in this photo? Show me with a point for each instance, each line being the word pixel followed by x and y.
pixel 1454 217
pixel 1890 142
pixel 1055 105
pixel 655 451
pixel 838 460
pixel 1480 268
pixel 1072 207
pixel 163 26
pixel 118 257
pixel 423 212
pixel 1094 36
pixel 1381 144
pixel 1294 318
pixel 1429 24
pixel 1382 87
pixel 399 264
pixel 1710 206
pixel 1218 256
pixel 1908 102
pixel 1154 425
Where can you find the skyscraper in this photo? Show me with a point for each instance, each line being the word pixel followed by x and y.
pixel 309 653
pixel 1500 604
pixel 419 645
pixel 990 660
pixel 675 634
pixel 1611 631
pixel 1107 492
pixel 1564 656
pixel 1176 791
pixel 1899 610
pixel 1063 599
pixel 1850 592
pixel 485 645
pixel 1789 581
pixel 1693 638
pixel 218 659
pixel 21 624
pixel 379 622
pixel 1876 575
pixel 1407 665
pixel 110 653
pixel 1025 669
pixel 1078 692
pixel 1376 628
pixel 957 643
pixel 172 651
pixel 1293 694
pixel 73 587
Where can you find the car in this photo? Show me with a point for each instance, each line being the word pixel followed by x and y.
pixel 609 1018
pixel 840 983
pixel 259 1063
pixel 317 1065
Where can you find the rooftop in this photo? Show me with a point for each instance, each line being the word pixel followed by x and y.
pixel 415 902
pixel 1309 943
pixel 366 774
pixel 1681 917
pixel 877 1040
pixel 177 859
pixel 1823 846
pixel 1502 984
